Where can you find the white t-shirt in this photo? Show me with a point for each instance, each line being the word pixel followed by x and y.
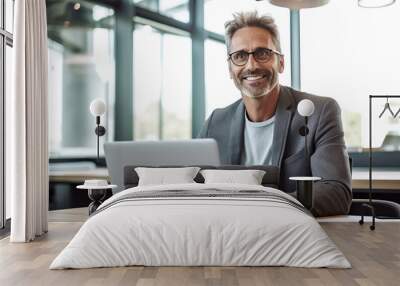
pixel 258 138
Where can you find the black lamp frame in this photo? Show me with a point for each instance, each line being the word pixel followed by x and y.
pixel 304 132
pixel 100 131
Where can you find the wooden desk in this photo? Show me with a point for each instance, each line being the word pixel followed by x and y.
pixel 382 178
pixel 62 183
pixel 78 176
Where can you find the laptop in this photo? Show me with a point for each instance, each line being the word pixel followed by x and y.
pixel 158 153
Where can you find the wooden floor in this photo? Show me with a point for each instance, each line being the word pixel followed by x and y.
pixel 374 255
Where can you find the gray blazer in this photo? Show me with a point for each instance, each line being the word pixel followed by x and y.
pixel 329 159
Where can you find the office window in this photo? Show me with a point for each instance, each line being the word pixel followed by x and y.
pixel 6 59
pixel 177 9
pixel 217 12
pixel 8 89
pixel 81 68
pixel 162 84
pixel 220 89
pixel 350 54
pixel 9 12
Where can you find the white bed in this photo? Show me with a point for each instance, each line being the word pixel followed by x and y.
pixel 183 230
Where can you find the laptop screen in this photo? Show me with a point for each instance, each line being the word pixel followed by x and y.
pixel 158 153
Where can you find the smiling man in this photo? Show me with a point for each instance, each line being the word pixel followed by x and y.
pixel 262 128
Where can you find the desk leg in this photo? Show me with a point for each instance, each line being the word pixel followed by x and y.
pixel 97 196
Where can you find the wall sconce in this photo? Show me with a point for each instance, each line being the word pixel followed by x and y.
pixel 98 108
pixel 305 108
pixel 304 184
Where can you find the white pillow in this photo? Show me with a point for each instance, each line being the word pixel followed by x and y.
pixel 164 176
pixel 248 177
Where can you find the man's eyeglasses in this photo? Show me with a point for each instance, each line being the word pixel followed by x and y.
pixel 261 55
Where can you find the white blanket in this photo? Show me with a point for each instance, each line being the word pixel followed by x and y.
pixel 183 231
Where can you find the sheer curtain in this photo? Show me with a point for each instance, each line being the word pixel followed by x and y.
pixel 27 123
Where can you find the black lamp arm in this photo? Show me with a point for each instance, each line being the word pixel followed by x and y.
pixel 304 132
pixel 100 131
pixel 307 155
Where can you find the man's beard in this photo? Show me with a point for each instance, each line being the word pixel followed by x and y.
pixel 271 79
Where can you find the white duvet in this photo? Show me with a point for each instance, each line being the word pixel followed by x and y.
pixel 200 231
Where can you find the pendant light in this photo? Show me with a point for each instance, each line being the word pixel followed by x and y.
pixel 298 4
pixel 375 3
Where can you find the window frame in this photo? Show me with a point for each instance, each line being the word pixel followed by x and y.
pixel 382 159
pixel 127 13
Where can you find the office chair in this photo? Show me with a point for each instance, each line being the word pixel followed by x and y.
pixel 383 209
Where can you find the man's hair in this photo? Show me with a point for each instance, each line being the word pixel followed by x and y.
pixel 251 19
